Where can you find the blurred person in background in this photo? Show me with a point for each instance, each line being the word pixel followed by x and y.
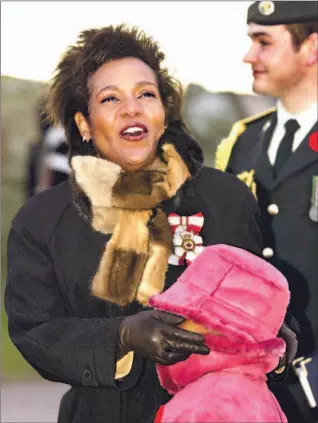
pixel 35 150
pixel 276 154
pixel 79 254
pixel 47 162
pixel 53 164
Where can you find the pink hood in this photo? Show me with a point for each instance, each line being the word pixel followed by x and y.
pixel 228 385
pixel 244 298
pixel 229 290
pixel 251 359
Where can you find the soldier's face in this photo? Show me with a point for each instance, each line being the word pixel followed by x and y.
pixel 276 65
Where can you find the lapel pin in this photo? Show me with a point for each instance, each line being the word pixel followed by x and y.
pixel 266 126
pixel 313 141
pixel 313 212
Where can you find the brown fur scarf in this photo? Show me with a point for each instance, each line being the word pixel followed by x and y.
pixel 127 204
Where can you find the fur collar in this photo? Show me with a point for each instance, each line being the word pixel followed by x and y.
pixel 128 205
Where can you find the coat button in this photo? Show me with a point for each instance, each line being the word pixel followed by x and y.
pixel 273 209
pixel 268 252
pixel 87 375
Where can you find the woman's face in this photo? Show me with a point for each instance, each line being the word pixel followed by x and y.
pixel 126 113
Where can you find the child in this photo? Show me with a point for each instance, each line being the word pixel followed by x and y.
pixel 239 302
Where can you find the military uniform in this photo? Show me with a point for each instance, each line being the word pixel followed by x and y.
pixel 289 231
pixel 276 154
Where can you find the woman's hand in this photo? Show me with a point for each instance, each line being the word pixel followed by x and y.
pixel 290 338
pixel 153 334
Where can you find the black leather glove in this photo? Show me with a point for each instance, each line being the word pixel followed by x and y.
pixel 291 340
pixel 153 334
pixel 289 332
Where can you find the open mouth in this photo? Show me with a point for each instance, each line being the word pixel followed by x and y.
pixel 134 132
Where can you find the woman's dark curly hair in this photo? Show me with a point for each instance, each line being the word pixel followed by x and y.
pixel 69 91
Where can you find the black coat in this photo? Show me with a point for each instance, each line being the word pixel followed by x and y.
pixel 291 234
pixel 67 335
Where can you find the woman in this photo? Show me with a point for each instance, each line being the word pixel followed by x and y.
pixel 79 272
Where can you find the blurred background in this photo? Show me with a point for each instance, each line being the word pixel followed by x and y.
pixel 204 44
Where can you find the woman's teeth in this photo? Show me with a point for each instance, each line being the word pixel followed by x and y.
pixel 134 130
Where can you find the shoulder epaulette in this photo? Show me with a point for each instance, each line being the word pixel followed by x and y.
pixel 224 149
pixel 258 116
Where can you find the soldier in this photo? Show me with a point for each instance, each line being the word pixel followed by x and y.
pixel 276 154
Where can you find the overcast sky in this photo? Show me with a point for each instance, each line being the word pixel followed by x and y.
pixel 204 42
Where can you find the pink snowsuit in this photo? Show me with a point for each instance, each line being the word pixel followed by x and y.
pixel 244 298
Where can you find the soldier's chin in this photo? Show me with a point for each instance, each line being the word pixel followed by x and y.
pixel 260 88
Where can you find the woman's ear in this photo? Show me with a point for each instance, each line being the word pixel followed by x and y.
pixel 83 126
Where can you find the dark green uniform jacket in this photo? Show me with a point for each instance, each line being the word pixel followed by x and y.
pixel 290 236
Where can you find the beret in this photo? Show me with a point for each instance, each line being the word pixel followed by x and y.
pixel 282 12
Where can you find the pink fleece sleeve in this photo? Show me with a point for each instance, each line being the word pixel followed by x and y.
pixel 158 418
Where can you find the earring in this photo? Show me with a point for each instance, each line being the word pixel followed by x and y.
pixel 87 148
pixel 84 139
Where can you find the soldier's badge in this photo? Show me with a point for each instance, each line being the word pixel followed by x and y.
pixel 313 212
pixel 248 178
pixel 266 126
pixel 266 8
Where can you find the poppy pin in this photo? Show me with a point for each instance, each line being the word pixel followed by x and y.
pixel 313 141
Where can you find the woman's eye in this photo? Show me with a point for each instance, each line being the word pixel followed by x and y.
pixel 148 94
pixel 264 43
pixel 109 98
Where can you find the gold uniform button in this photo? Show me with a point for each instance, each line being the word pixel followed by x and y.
pixel 268 252
pixel 273 209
